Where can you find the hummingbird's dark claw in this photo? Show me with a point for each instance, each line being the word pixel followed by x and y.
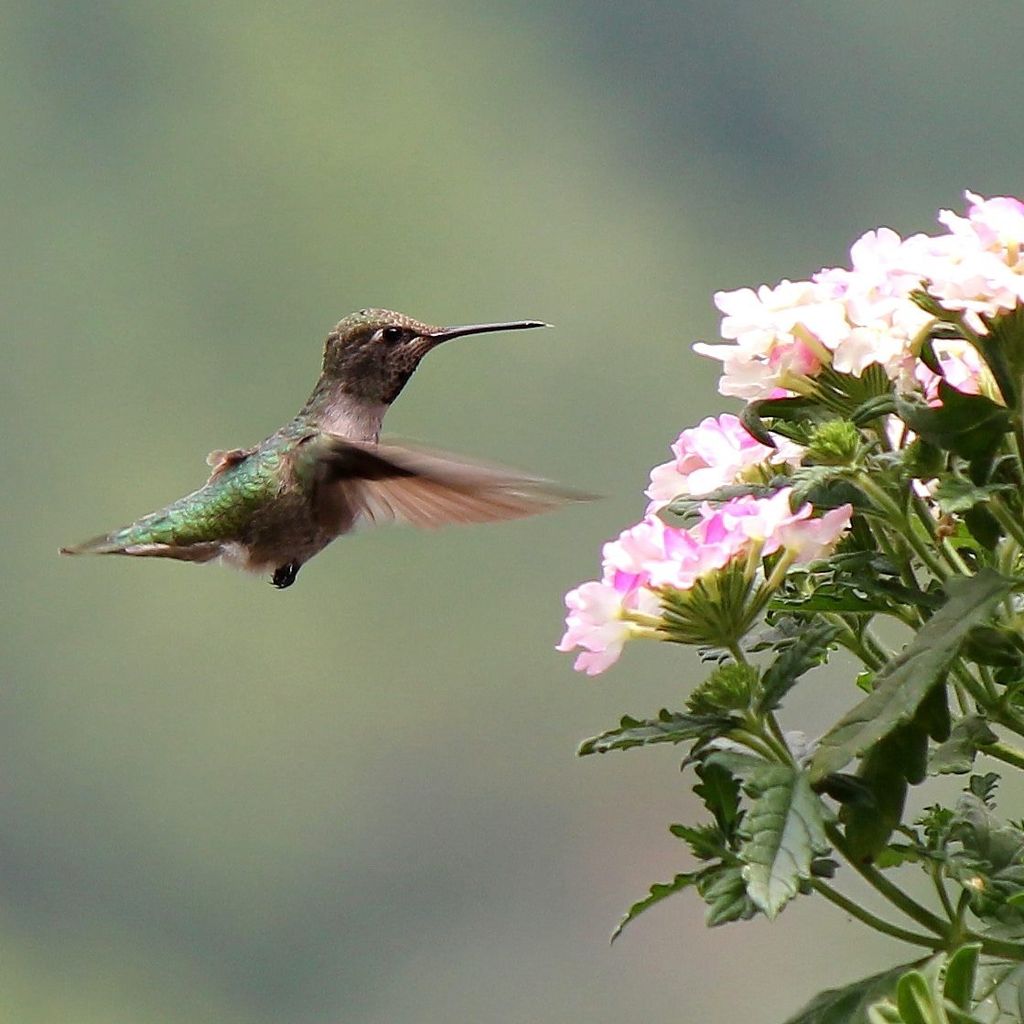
pixel 284 575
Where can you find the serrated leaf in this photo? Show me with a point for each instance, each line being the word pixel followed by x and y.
pixel 849 1004
pixel 994 843
pixel 783 831
pixel 807 651
pixel 736 762
pixel 725 892
pixel 826 487
pixel 720 792
pixel 830 598
pixel 689 504
pixel 668 727
pixel 905 681
pixel 706 842
pixel 957 494
pixel 658 892
pixel 956 755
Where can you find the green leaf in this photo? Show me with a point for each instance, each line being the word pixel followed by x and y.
pixel 1003 348
pixel 994 646
pixel 725 892
pixel 956 755
pixel 831 598
pixel 961 969
pixel 905 681
pixel 914 1000
pixel 783 831
pixel 986 837
pixel 706 842
pixel 788 410
pixel 689 504
pixel 872 408
pixel 849 1004
pixel 668 727
pixel 934 720
pixel 957 494
pixel 971 426
pixel 720 792
pixel 727 689
pixel 658 892
pixel 983 526
pixel 736 762
pixel 807 651
pixel 869 823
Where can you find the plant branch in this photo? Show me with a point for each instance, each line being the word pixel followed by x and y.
pixel 873 921
pixel 893 893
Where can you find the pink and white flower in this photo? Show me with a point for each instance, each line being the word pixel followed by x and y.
pixel 850 318
pixel 717 452
pixel 596 622
pixel 651 557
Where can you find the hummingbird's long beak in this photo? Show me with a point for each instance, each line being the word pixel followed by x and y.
pixel 447 333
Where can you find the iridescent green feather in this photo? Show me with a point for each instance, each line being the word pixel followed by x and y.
pixel 217 511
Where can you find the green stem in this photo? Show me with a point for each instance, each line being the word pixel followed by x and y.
pixel 885 542
pixel 737 654
pixel 894 514
pixel 996 947
pixel 853 643
pixel 1004 752
pixel 873 921
pixel 989 683
pixel 1009 718
pixel 893 893
pixel 970 684
pixel 754 742
pixel 778 736
pixel 944 548
pixel 1006 519
pixel 940 888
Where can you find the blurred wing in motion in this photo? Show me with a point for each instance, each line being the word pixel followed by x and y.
pixel 425 488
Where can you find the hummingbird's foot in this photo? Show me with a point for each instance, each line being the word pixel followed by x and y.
pixel 284 575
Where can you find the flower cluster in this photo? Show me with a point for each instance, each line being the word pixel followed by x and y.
pixel 780 338
pixel 885 416
pixel 914 312
pixel 652 562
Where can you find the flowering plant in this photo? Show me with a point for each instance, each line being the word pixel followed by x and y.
pixel 870 497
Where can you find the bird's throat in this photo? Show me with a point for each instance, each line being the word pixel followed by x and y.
pixel 351 416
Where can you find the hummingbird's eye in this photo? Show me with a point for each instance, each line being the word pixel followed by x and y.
pixel 392 334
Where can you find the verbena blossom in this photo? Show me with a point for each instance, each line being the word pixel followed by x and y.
pixel 596 621
pixel 652 557
pixel 779 338
pixel 962 368
pixel 717 452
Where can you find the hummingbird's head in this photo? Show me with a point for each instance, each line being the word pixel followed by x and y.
pixel 374 352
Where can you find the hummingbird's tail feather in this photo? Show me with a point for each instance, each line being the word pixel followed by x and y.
pixel 118 544
pixel 427 488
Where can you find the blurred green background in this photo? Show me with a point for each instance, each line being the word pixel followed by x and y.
pixel 357 801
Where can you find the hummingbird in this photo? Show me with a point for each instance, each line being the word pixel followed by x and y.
pixel 273 506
